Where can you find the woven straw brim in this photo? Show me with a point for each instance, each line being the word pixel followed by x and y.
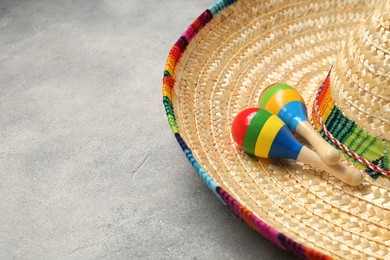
pixel 220 66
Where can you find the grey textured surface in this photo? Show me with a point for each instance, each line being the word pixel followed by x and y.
pixel 89 168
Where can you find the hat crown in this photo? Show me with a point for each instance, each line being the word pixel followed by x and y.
pixel 361 75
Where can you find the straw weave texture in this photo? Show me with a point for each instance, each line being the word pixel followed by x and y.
pixel 361 77
pixel 247 47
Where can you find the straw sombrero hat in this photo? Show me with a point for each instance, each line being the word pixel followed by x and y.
pixel 221 65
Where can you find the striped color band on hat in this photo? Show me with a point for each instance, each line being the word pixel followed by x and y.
pixel 366 151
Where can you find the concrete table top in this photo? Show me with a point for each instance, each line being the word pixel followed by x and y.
pixel 89 168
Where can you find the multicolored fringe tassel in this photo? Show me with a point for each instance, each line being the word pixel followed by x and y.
pixel 363 149
pixel 168 95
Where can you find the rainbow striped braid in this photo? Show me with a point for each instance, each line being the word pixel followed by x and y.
pixel 363 149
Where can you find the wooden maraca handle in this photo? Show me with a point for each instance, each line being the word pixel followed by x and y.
pixel 327 152
pixel 349 175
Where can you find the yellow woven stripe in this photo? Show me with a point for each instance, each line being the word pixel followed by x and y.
pixel 167 92
pixel 170 66
pixel 282 98
pixel 267 135
pixel 325 108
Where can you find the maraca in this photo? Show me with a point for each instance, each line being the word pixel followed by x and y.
pixel 285 102
pixel 263 134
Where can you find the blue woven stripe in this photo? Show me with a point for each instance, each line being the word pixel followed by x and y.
pixel 211 184
pixel 168 107
pixel 220 6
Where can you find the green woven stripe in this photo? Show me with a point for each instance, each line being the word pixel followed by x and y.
pixel 168 105
pixel 269 92
pixel 372 150
pixel 386 156
pixel 340 127
pixel 345 132
pixel 334 121
pixel 358 140
pixel 170 114
pixel 355 136
pixel 364 142
pixel 332 116
pixel 254 130
pixel 172 123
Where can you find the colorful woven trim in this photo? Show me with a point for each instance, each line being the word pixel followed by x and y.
pixel 363 149
pixel 168 95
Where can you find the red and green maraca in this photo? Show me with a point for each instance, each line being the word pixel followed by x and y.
pixel 286 102
pixel 260 133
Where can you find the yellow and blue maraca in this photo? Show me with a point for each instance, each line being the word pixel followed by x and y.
pixel 286 102
pixel 260 133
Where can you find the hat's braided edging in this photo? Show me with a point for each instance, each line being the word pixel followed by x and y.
pixel 168 95
pixel 350 152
